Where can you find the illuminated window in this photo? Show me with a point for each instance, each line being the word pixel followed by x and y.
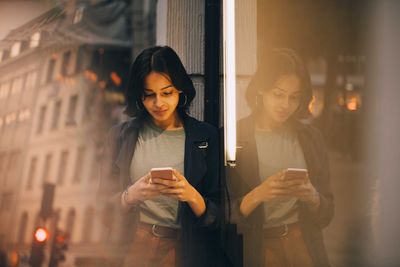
pixel 35 39
pixel 16 87
pixel 78 14
pixel 4 90
pixel 15 49
pixel 11 118
pixel 24 115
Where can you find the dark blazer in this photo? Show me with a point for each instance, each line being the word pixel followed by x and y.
pixel 245 177
pixel 201 169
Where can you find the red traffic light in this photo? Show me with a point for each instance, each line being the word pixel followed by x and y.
pixel 41 234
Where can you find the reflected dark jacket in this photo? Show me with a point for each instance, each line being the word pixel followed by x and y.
pixel 245 177
pixel 201 159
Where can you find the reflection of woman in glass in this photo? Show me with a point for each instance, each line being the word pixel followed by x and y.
pixel 170 218
pixel 281 216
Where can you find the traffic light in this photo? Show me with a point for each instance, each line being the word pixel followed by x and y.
pixel 40 238
pixel 58 247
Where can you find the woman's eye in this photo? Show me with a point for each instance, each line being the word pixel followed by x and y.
pixel 148 95
pixel 167 93
pixel 277 94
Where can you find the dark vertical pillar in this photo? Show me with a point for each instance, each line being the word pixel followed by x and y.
pixel 211 61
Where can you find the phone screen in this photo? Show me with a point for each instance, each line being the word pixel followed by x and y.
pixel 163 173
pixel 294 173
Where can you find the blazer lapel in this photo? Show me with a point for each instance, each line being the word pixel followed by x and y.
pixel 129 137
pixel 196 144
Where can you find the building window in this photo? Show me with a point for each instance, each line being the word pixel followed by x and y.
pixel 78 14
pixel 30 80
pixel 6 200
pixel 24 115
pixel 35 39
pixel 80 56
pixel 80 157
pixel 62 167
pixel 16 87
pixel 108 218
pixel 70 222
pixel 11 118
pixel 42 116
pixel 66 60
pixel 72 106
pixel 3 159
pixel 31 173
pixel 4 90
pixel 88 225
pixel 23 224
pixel 47 168
pixel 15 49
pixel 50 69
pixel 56 115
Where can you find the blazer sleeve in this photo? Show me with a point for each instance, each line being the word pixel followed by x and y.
pixel 110 185
pixel 323 216
pixel 210 187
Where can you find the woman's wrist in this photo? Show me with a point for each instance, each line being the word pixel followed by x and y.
pixel 196 202
pixel 127 200
pixel 314 202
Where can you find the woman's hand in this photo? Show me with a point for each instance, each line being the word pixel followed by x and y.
pixel 269 189
pixel 277 186
pixel 179 188
pixel 142 189
pixel 182 190
pixel 273 187
pixel 305 192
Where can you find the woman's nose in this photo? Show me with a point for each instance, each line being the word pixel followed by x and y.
pixel 285 102
pixel 158 101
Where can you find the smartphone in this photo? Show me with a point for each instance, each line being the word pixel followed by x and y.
pixel 163 173
pixel 295 173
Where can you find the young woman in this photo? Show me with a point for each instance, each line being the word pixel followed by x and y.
pixel 281 217
pixel 167 220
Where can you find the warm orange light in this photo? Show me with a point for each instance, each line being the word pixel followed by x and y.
pixel 352 104
pixel 41 234
pixel 90 75
pixel 115 78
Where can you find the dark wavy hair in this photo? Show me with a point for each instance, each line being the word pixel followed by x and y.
pixel 280 62
pixel 163 60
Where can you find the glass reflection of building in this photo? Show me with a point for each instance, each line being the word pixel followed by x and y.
pixel 68 67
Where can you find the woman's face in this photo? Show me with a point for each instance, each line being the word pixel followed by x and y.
pixel 283 99
pixel 160 98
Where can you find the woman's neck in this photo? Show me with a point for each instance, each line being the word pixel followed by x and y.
pixel 265 123
pixel 172 123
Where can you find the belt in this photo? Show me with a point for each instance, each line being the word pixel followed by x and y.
pixel 281 231
pixel 160 231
